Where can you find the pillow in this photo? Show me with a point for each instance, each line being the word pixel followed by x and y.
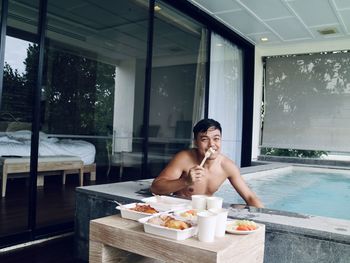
pixel 43 135
pixel 50 140
pixel 20 135
pixel 26 135
pixel 6 139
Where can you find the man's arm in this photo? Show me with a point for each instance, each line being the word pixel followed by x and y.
pixel 241 187
pixel 170 179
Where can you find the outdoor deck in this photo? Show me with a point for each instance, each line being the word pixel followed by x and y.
pixel 59 250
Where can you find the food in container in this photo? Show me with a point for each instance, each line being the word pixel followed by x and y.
pixel 144 208
pixel 187 214
pixel 169 221
pixel 169 226
pixel 191 214
pixel 136 211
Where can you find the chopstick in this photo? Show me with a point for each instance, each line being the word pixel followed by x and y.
pixel 120 204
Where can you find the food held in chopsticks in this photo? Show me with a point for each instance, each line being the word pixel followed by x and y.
pixel 144 208
pixel 207 155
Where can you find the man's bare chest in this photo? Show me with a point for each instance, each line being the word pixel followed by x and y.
pixel 208 185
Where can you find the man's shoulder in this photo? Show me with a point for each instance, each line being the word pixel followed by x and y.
pixel 225 159
pixel 180 163
pixel 188 153
pixel 227 163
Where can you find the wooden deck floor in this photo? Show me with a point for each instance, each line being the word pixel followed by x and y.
pixel 60 250
pixel 55 201
pixel 55 204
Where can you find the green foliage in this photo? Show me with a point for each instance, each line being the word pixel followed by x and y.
pixel 78 92
pixel 16 101
pixel 12 77
pixel 292 152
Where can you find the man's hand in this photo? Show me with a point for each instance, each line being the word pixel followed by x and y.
pixel 195 174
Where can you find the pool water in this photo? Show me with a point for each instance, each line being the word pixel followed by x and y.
pixel 322 192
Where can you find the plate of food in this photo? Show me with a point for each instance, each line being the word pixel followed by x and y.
pixel 241 227
pixel 136 211
pixel 163 202
pixel 167 225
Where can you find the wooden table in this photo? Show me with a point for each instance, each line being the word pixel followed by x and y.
pixel 12 165
pixel 114 239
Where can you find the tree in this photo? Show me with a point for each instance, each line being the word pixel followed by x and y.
pixel 16 97
pixel 78 92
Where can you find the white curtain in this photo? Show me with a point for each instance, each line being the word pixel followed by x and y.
pixel 226 94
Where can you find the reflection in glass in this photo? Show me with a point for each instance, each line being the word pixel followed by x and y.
pixel 92 93
pixel 178 83
pixel 17 88
pixel 16 111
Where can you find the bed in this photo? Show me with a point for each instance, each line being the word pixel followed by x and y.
pixel 17 143
pixel 15 153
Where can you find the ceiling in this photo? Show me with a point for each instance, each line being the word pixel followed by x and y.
pixel 117 30
pixel 282 21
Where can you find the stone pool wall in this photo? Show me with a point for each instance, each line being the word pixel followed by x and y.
pixel 289 237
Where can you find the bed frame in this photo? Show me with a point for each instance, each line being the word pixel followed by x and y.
pixel 14 166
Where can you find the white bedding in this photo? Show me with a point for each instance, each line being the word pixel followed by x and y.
pixel 18 144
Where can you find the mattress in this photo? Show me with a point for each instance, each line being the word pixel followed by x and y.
pixel 18 144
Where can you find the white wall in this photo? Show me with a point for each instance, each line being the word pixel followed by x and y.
pixel 264 50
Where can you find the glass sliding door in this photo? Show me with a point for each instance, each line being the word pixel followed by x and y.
pixel 92 97
pixel 178 84
pixel 16 112
pixel 226 93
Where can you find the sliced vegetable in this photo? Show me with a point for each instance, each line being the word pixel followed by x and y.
pixel 245 225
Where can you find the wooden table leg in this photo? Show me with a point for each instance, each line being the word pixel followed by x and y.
pixel 81 176
pixel 4 180
pixel 95 252
pixel 92 176
pixel 64 174
pixel 99 253
pixel 40 180
pixel 92 170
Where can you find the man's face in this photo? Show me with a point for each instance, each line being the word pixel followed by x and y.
pixel 210 138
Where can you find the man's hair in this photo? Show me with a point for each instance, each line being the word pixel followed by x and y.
pixel 203 126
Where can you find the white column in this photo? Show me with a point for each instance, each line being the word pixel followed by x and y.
pixel 124 106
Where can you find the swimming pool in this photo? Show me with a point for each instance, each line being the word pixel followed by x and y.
pixel 289 237
pixel 305 190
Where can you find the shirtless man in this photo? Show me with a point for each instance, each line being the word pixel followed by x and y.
pixel 184 177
